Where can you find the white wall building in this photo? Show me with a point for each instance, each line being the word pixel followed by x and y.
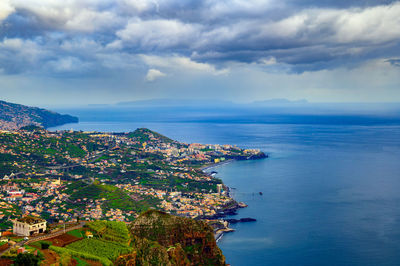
pixel 219 188
pixel 28 226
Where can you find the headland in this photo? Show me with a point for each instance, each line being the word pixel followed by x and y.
pixel 112 176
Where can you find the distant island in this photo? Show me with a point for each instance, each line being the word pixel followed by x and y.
pixel 14 116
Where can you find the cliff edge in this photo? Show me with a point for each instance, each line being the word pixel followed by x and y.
pixel 162 239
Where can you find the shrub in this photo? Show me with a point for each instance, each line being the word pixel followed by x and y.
pixel 26 259
pixel 45 245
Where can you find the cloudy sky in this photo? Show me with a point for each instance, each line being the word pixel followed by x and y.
pixel 104 51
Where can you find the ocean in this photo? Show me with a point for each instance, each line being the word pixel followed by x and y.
pixel 330 187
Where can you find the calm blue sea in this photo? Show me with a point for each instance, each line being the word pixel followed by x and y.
pixel 331 190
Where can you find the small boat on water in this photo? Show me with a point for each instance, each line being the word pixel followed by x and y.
pixel 260 193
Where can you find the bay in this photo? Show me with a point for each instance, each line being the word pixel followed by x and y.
pixel 330 191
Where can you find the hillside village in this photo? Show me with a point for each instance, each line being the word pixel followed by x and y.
pixel 68 176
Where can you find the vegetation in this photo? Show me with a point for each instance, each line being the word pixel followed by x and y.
pixel 111 175
pixel 112 240
pixel 142 135
pixel 100 248
pixel 82 255
pixel 26 259
pixel 17 239
pixel 76 233
pixel 31 128
pixel 65 259
pixel 79 262
pixel 159 238
pixel 13 116
pixel 110 230
pixel 115 198
pixel 45 245
pixel 42 244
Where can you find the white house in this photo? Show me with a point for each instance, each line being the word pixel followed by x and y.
pixel 28 226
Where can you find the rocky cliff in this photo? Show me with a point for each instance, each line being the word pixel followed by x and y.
pixel 163 239
pixel 14 116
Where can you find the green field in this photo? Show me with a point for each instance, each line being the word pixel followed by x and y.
pixel 80 254
pixel 106 249
pixel 110 230
pixel 76 233
pixel 79 261
pixel 115 198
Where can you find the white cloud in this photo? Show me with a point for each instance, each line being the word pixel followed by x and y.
pixel 377 24
pixel 68 64
pixel 181 62
pixel 193 35
pixel 154 74
pixel 89 20
pixel 5 9
pixel 138 6
pixel 268 61
pixel 20 49
pixel 159 33
pixel 217 9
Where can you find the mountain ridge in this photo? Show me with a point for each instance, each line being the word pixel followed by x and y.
pixel 14 116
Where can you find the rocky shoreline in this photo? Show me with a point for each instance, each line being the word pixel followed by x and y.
pixel 218 222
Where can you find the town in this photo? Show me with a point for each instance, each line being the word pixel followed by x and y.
pixel 68 176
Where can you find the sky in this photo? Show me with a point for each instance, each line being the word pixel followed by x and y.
pixel 71 52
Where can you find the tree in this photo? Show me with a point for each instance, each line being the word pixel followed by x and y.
pixel 26 259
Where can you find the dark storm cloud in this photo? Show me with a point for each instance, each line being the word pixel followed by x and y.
pixel 83 36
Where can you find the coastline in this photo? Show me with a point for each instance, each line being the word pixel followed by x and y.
pixel 231 209
pixel 219 232
pixel 210 166
pixel 259 155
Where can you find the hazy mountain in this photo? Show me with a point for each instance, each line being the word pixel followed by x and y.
pixel 278 102
pixel 176 103
pixel 14 116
